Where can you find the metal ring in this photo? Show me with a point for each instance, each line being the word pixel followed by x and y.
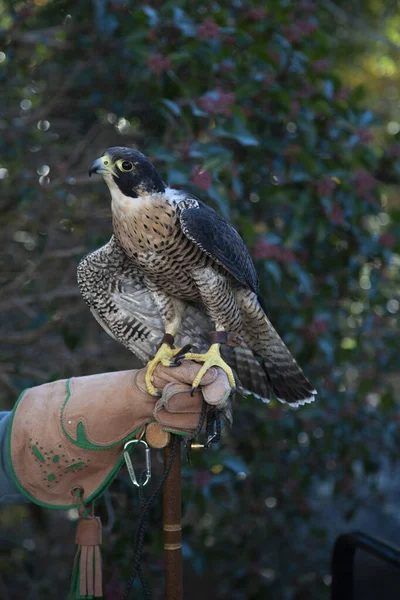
pixel 129 465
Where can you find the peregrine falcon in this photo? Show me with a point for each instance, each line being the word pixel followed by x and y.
pixel 175 269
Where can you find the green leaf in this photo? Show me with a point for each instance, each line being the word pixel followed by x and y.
pixel 241 135
pixel 173 106
pixel 274 269
pixel 151 14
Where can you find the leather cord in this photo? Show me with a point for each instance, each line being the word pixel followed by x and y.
pixel 169 339
pixel 145 506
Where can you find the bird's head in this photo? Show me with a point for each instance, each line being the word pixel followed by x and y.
pixel 129 171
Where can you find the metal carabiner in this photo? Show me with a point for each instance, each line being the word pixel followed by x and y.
pixel 129 465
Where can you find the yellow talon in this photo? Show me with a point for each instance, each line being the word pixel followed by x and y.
pixel 212 358
pixel 164 355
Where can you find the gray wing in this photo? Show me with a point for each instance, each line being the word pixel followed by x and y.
pixel 217 238
pixel 114 290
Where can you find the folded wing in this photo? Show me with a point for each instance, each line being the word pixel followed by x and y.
pixel 118 298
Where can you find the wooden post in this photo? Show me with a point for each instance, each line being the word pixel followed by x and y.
pixel 172 512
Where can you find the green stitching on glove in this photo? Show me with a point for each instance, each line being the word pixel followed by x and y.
pixel 38 454
pixel 97 493
pixel 81 439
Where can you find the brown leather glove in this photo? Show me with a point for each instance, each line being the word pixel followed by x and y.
pixel 69 435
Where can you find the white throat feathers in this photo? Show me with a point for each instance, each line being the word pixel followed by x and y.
pixel 122 204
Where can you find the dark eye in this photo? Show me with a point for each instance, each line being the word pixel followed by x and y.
pixel 126 165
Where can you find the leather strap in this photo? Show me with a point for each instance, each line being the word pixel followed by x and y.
pixel 225 337
pixel 168 339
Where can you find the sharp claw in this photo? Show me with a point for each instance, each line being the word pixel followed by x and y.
pixel 184 350
pixel 211 358
pixel 176 363
pixel 192 391
pixel 177 358
pixel 152 390
pixel 167 356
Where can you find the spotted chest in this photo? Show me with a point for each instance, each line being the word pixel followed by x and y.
pixel 152 237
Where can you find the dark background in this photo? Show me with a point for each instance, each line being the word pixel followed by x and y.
pixel 286 119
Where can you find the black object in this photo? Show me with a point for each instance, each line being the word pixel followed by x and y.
pixel 145 505
pixel 365 567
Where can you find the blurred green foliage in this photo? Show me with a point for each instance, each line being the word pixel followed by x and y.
pixel 239 103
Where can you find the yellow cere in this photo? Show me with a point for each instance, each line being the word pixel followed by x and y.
pixel 108 165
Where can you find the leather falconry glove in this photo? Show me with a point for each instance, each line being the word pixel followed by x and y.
pixel 67 440
pixel 71 433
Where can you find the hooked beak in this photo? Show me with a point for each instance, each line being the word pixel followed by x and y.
pixel 102 166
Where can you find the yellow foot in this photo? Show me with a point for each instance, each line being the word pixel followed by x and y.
pixel 212 358
pixel 164 356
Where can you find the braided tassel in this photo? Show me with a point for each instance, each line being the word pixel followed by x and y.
pixel 87 575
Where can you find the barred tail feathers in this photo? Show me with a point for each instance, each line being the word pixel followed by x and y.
pixel 251 378
pixel 285 377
